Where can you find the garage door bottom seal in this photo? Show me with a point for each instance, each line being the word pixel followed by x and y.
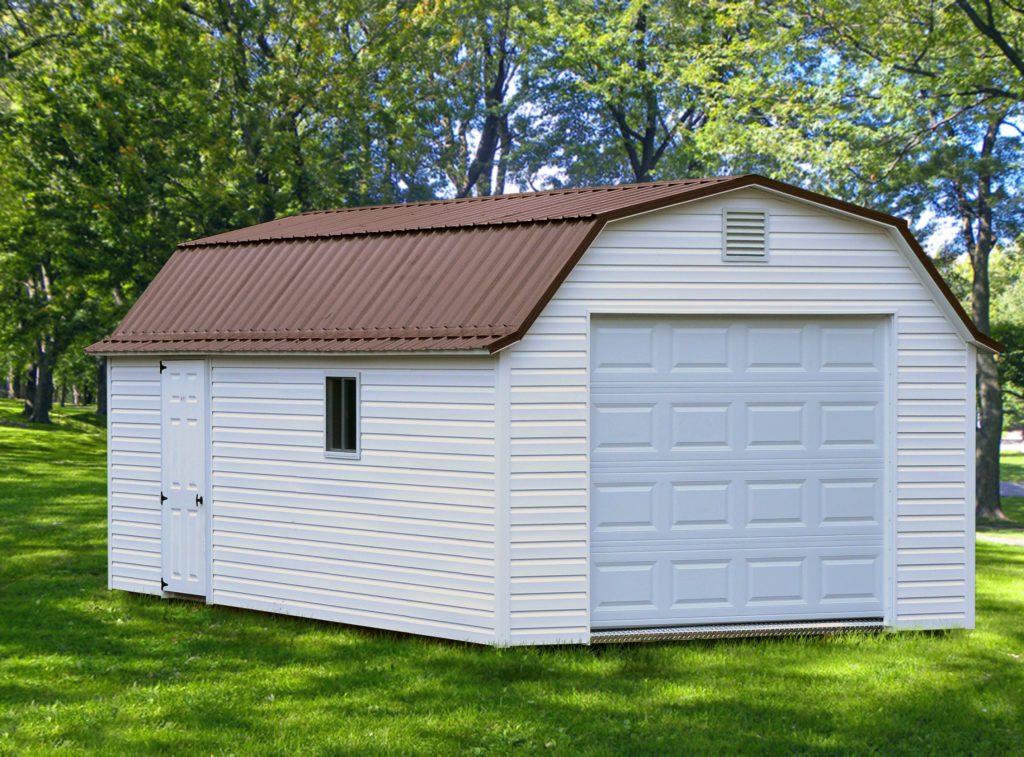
pixel 738 630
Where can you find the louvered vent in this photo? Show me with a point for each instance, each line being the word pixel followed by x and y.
pixel 745 235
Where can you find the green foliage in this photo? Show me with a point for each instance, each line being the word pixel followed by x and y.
pixel 1008 327
pixel 83 669
pixel 127 126
pixel 1007 280
pixel 627 89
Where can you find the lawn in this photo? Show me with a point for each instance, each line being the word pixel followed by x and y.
pixel 1012 466
pixel 84 669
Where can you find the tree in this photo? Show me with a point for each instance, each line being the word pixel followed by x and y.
pixel 622 88
pixel 901 106
pixel 1006 269
pixel 96 132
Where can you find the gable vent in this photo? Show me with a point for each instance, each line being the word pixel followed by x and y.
pixel 745 235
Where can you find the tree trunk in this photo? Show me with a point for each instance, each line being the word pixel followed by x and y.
pixel 640 143
pixel 505 146
pixel 29 392
pixel 101 386
pixel 990 397
pixel 989 436
pixel 63 395
pixel 42 398
pixel 480 172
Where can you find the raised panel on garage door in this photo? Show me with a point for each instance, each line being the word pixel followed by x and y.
pixel 737 469
pixel 664 423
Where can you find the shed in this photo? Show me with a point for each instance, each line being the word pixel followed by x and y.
pixel 714 406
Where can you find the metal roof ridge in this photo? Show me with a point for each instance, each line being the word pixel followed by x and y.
pixel 280 237
pixel 518 195
pixel 202 242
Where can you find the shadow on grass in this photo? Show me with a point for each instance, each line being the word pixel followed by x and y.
pixel 87 669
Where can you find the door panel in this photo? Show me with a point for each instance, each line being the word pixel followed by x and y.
pixel 183 462
pixel 679 422
pixel 737 469
pixel 724 583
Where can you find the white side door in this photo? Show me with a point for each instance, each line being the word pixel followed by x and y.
pixel 183 455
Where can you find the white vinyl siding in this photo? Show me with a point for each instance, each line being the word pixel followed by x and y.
pixel 402 538
pixel 670 262
pixel 133 459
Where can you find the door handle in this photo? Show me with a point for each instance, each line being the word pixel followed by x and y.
pixel 199 499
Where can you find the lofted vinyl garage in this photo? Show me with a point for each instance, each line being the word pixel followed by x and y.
pixel 708 407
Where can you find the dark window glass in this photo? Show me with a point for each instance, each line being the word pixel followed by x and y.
pixel 342 409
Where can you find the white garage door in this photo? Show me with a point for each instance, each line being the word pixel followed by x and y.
pixel 737 469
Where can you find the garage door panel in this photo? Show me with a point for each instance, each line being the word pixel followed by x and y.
pixel 663 587
pixel 649 350
pixel 737 469
pixel 669 504
pixel 673 425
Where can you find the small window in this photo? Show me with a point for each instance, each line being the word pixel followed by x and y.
pixel 342 422
pixel 745 236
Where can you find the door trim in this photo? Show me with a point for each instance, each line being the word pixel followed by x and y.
pixel 208 483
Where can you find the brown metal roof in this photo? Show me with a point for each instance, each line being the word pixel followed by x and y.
pixel 453 289
pixel 527 207
pixel 457 275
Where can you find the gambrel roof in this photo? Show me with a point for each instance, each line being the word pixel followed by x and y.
pixel 448 275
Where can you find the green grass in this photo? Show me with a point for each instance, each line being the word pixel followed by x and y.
pixel 1011 466
pixel 84 669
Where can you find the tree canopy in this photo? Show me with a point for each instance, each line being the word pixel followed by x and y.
pixel 128 126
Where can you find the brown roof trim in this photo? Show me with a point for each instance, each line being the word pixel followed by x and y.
pixel 980 336
pixel 421 332
pixel 734 183
pixel 557 282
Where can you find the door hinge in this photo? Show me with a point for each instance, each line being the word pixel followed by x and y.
pixel 163 366
pixel 163 584
pixel 199 499
pixel 163 498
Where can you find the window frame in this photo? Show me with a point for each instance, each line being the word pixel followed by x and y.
pixel 342 454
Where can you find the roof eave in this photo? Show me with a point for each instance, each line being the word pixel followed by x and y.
pixel 473 352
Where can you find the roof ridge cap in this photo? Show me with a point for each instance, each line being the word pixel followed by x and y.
pixel 440 224
pixel 390 232
pixel 516 195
